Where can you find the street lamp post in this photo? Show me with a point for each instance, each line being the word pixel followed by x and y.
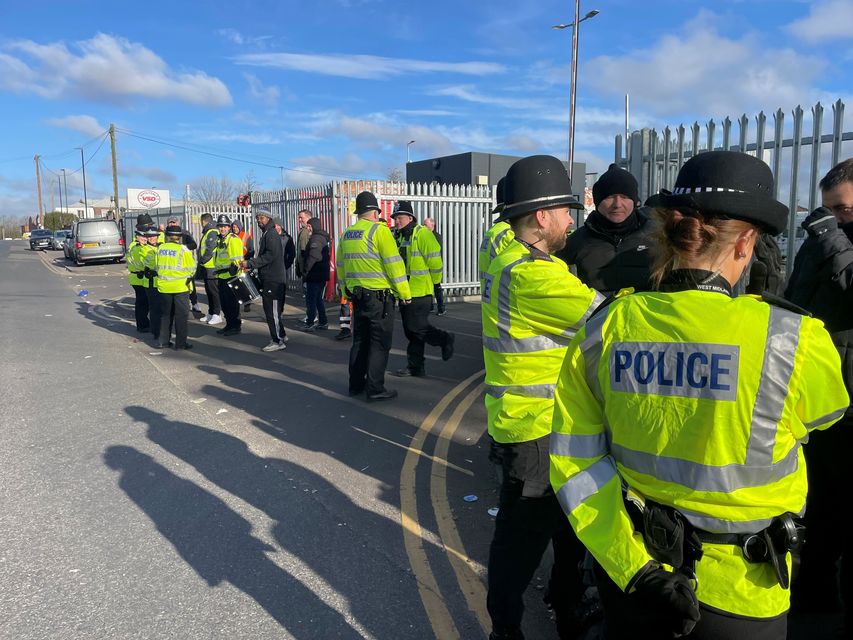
pixel 65 188
pixel 408 147
pixel 85 197
pixel 574 86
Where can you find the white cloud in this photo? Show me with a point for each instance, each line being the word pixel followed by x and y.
pixel 232 35
pixel 105 68
pixel 321 168
pixel 239 38
pixel 469 93
pixel 154 175
pixel 363 66
pixel 267 95
pixel 700 71
pixel 86 125
pixel 248 138
pixel 827 20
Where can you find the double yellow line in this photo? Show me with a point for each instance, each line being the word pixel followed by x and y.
pixel 471 586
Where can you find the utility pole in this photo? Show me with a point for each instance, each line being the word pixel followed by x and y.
pixel 85 197
pixel 59 186
pixel 38 186
pixel 65 188
pixel 115 172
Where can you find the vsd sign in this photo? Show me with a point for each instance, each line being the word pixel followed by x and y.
pixel 148 198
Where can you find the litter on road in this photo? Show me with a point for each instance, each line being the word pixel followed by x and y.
pixel 470 498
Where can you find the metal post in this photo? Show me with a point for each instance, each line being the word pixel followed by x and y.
pixel 65 187
pixel 85 196
pixel 115 172
pixel 573 89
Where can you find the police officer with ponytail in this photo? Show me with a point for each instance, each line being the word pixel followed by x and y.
pixel 679 420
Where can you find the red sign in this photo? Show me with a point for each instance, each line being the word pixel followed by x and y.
pixel 244 200
pixel 148 199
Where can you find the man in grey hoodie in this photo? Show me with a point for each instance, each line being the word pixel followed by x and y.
pixel 317 261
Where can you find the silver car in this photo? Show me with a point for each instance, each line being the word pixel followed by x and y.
pixel 58 238
pixel 97 239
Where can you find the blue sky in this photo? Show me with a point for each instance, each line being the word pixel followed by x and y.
pixel 336 88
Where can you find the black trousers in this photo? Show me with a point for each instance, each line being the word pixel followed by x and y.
pixel 439 298
pixel 628 617
pixel 175 306
pixel 828 537
pixel 272 297
pixel 211 289
pixel 140 308
pixel 530 517
pixel 419 331
pixel 230 306
pixel 154 311
pixel 193 293
pixel 373 330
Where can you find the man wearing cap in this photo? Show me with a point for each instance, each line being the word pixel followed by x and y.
pixel 176 265
pixel 371 272
pixel 207 247
pixel 269 264
pixel 610 252
pixel 421 254
pixel 497 237
pixel 226 264
pixel 532 307
pixel 136 279
pixel 189 242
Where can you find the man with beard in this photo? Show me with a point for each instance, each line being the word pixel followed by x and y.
pixel 532 306
pixel 269 263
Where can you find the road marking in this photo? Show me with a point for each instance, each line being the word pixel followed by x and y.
pixel 466 575
pixel 435 460
pixel 437 613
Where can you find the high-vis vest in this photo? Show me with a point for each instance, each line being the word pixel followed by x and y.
pixel 229 251
pixel 135 264
pixel 700 402
pixel 175 267
pixel 149 259
pixel 423 261
pixel 495 240
pixel 367 257
pixel 532 307
pixel 205 238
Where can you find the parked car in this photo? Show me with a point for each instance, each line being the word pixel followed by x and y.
pixel 41 239
pixel 58 237
pixel 68 246
pixel 96 239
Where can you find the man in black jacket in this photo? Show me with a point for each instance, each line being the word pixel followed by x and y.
pixel 822 282
pixel 316 261
pixel 610 251
pixel 269 263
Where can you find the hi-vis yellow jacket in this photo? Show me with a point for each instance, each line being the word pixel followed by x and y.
pixel 700 402
pixel 423 261
pixel 175 268
pixel 229 250
pixel 367 257
pixel 149 260
pixel 495 240
pixel 532 307
pixel 135 264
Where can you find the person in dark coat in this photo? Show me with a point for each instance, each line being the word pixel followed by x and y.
pixel 269 263
pixel 316 260
pixel 822 283
pixel 610 252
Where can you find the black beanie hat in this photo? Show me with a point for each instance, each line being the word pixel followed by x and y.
pixel 613 181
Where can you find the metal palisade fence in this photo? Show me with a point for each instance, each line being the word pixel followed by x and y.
pixel 461 214
pixel 655 159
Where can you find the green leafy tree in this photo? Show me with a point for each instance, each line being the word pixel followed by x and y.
pixel 58 220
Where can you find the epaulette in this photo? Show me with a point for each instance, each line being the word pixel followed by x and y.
pixel 782 303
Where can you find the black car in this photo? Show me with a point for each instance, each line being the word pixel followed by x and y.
pixel 41 239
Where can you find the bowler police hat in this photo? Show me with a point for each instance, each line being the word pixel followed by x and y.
pixel 499 197
pixel 536 182
pixel 364 202
pixel 223 220
pixel 729 184
pixel 403 208
pixel 173 230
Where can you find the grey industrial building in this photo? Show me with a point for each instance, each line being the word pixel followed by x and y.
pixel 477 169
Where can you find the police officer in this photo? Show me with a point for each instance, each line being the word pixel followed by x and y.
pixel 497 237
pixel 226 264
pixel 136 279
pixel 149 274
pixel 206 248
pixel 692 405
pixel 370 272
pixel 422 255
pixel 532 306
pixel 176 265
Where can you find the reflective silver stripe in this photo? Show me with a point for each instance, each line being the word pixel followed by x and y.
pixel 703 477
pixel 167 278
pixel 419 272
pixel 783 332
pixel 360 256
pixel 436 270
pixel 587 483
pixel 496 241
pixel 591 347
pixel 436 254
pixel 529 390
pixel 399 279
pixel 415 254
pixel 716 525
pixel 365 274
pixel 392 259
pixel 579 446
pixel 835 415
pixel 504 309
pixel 370 233
pixel 506 344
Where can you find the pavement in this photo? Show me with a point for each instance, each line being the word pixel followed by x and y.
pixel 229 493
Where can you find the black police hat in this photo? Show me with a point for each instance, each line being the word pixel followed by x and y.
pixel 536 182
pixel 151 232
pixel 499 196
pixel 403 207
pixel 173 230
pixel 727 183
pixel 223 220
pixel 364 202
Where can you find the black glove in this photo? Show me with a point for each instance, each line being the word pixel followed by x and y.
pixel 820 221
pixel 672 596
pixel 233 269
